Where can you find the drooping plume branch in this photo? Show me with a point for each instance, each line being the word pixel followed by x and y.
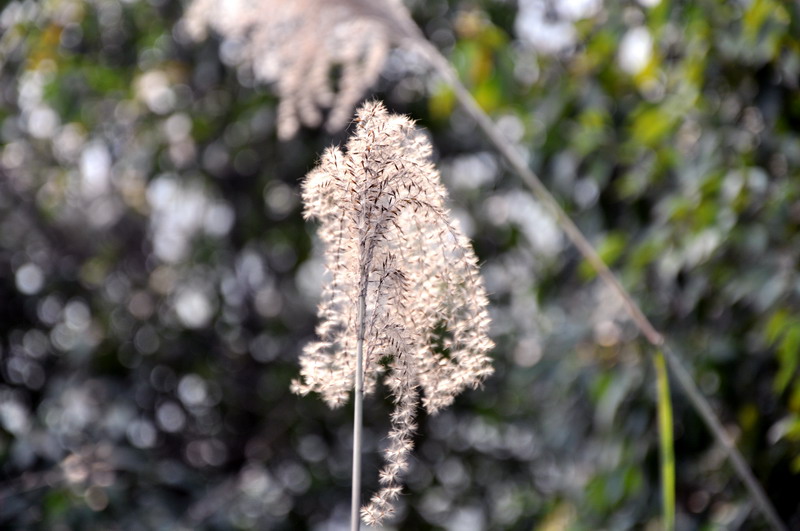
pixel 403 287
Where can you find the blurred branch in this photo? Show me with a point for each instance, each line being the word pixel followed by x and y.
pixel 77 468
pixel 586 249
pixel 30 481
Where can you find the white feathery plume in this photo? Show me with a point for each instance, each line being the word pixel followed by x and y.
pixel 391 242
pixel 296 45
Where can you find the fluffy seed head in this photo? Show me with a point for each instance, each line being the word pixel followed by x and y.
pixel 295 44
pixel 387 233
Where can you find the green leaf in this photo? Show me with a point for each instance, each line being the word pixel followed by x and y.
pixel 442 102
pixel 776 325
pixel 651 126
pixel 788 358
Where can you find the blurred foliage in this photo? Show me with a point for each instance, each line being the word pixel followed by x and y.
pixel 158 282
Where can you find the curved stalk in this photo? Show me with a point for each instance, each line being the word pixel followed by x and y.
pixel 701 405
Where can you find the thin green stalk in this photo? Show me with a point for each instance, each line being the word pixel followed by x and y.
pixel 358 413
pixel 713 423
pixel 665 443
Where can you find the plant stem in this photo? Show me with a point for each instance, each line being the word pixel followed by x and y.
pixel 740 465
pixel 665 443
pixel 358 413
pixel 586 249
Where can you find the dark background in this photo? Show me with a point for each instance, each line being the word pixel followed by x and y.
pixel 157 281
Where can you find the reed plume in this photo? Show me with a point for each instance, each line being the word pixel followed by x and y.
pixel 297 44
pixel 403 278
